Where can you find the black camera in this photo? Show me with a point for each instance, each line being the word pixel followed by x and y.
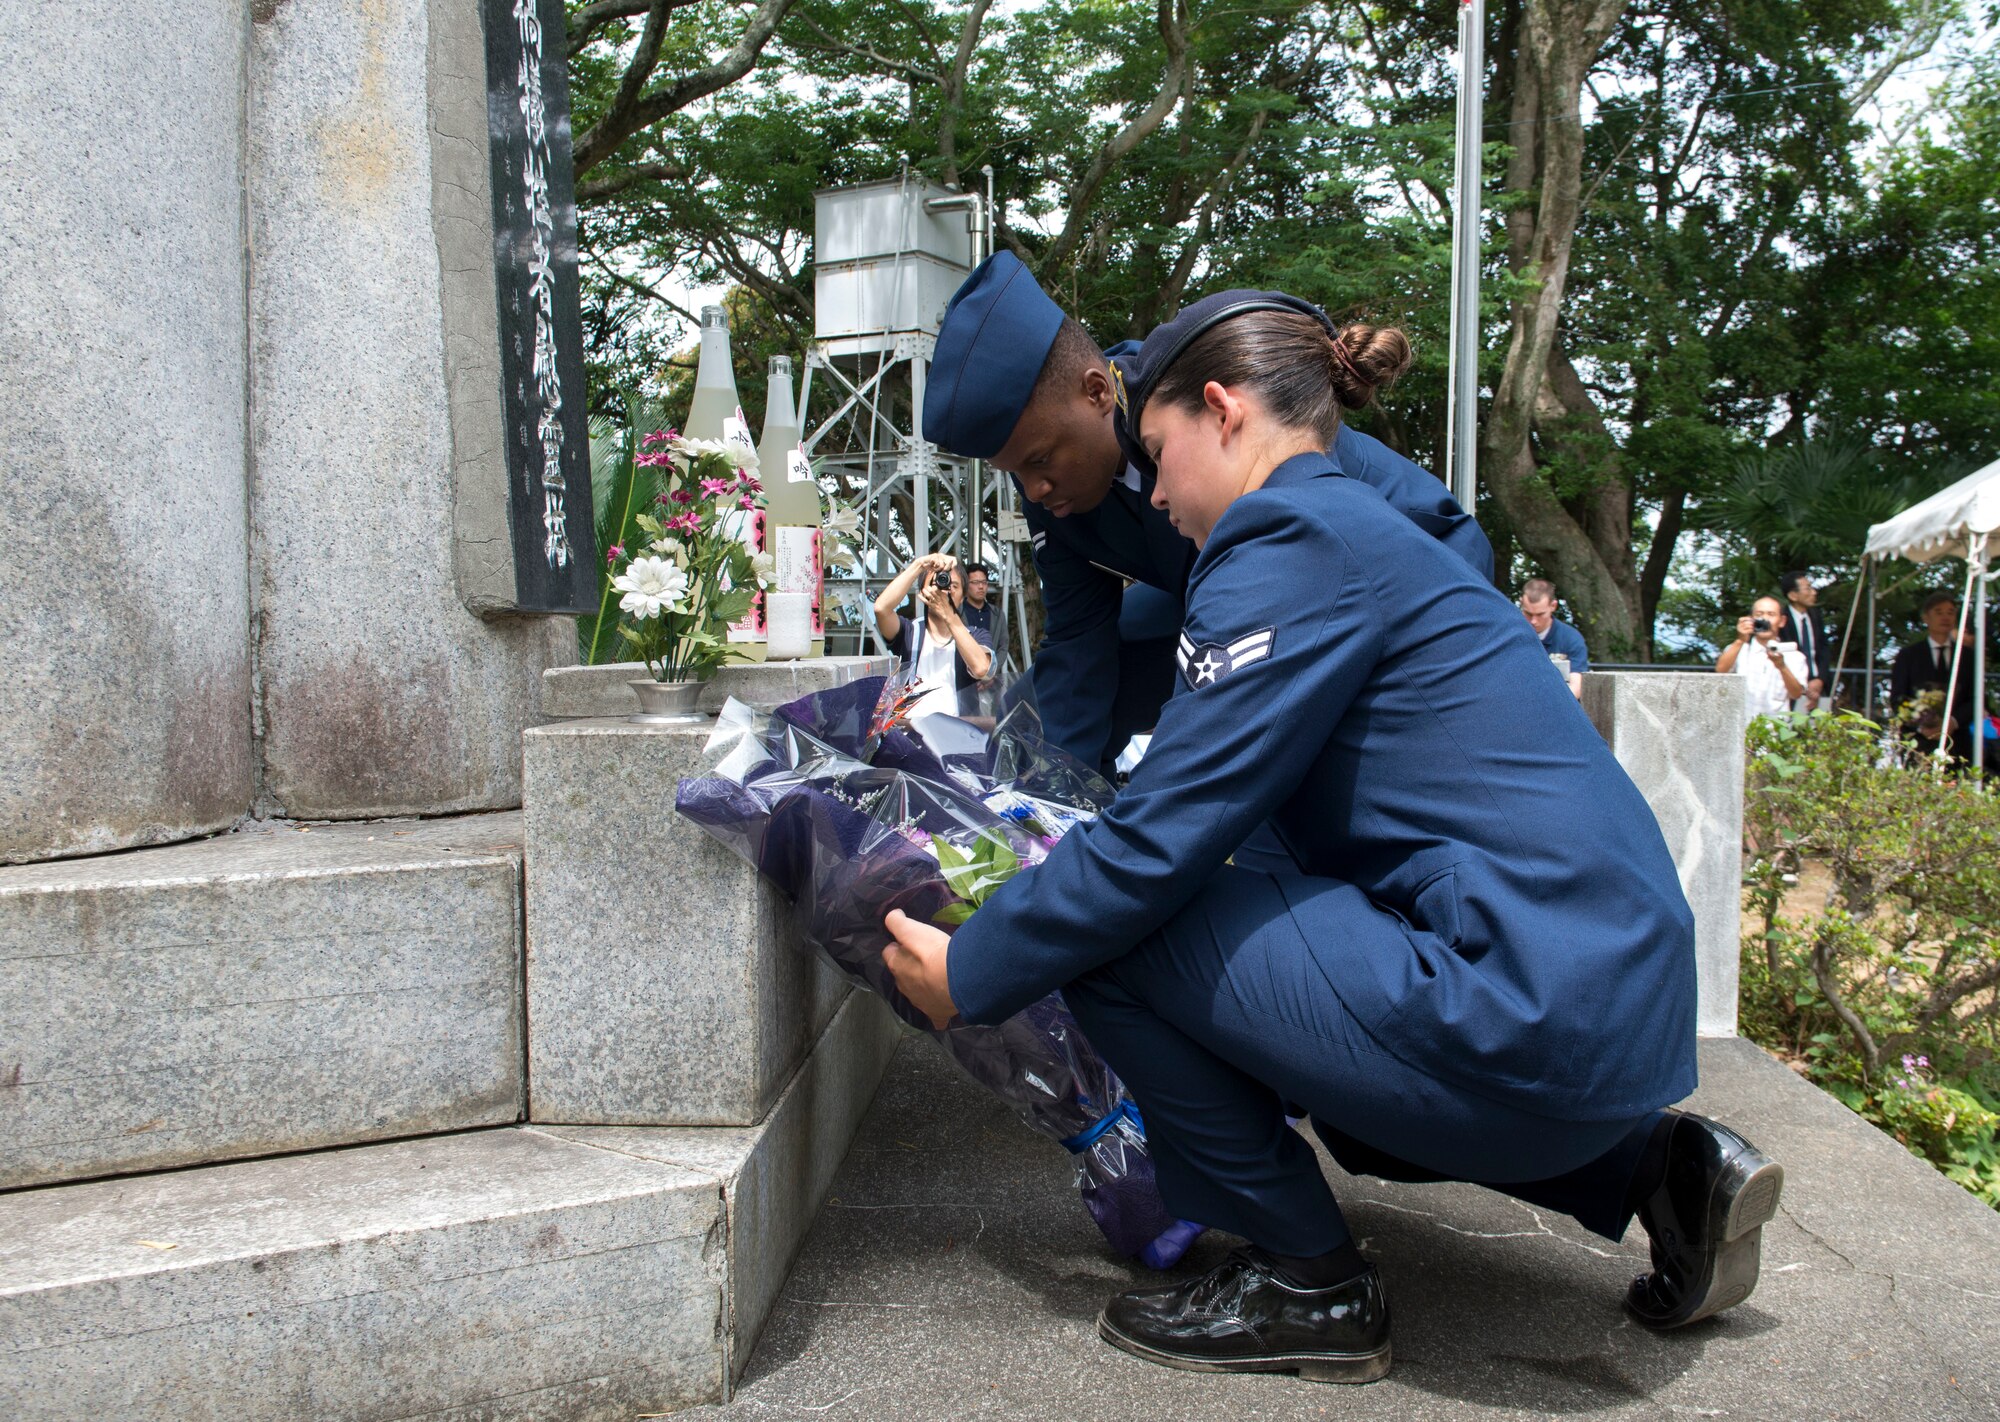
pixel 1760 624
pixel 941 580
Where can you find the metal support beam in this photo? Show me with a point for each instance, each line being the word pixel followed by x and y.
pixel 1461 454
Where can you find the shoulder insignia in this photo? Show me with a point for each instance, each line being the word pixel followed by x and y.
pixel 1210 662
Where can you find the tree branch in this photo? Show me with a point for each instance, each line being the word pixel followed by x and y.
pixel 632 284
pixel 1928 28
pixel 584 24
pixel 954 89
pixel 1083 192
pixel 886 64
pixel 598 189
pixel 602 139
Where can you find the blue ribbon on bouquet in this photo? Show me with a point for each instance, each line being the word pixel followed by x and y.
pixel 1084 1139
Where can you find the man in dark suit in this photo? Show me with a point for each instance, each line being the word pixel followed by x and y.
pixel 1810 633
pixel 1925 665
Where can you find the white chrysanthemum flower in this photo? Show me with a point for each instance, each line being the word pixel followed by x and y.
pixel 739 456
pixel 763 567
pixel 670 547
pixel 651 586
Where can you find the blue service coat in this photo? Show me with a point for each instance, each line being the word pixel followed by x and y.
pixel 1084 561
pixel 1520 929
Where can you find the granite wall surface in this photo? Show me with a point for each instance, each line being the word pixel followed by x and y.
pixel 380 692
pixel 125 711
pixel 1679 735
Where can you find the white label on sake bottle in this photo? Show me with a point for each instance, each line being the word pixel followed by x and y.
pixel 795 551
pixel 736 432
pixel 798 469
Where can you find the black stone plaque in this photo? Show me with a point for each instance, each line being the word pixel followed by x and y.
pixel 541 330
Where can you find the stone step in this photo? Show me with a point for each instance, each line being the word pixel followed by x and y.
pixel 276 989
pixel 565 1274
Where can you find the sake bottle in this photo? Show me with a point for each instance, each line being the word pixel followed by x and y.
pixel 715 398
pixel 717 413
pixel 791 499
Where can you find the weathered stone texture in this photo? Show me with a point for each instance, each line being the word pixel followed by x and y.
pixel 124 715
pixel 380 692
pixel 665 982
pixel 602 690
pixel 497 1274
pixel 1679 735
pixel 275 989
pixel 774 1175
pixel 571 1273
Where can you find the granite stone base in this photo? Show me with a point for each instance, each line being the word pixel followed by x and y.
pixel 666 985
pixel 276 989
pixel 566 1276
pixel 602 690
pixel 1679 735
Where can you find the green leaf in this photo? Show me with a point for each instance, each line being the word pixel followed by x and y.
pixel 731 605
pixel 953 914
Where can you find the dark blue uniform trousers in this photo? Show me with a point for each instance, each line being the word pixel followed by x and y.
pixel 1227 1013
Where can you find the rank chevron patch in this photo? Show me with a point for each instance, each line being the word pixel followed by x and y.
pixel 1210 662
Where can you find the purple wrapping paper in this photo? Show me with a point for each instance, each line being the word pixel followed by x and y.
pixel 835 812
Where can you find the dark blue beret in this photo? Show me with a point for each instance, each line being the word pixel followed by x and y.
pixel 1138 372
pixel 990 351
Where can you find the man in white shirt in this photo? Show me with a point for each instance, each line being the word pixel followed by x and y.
pixel 950 658
pixel 1774 670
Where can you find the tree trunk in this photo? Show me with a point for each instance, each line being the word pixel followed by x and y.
pixel 1588 549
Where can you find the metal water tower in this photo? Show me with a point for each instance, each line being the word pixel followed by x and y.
pixel 887 257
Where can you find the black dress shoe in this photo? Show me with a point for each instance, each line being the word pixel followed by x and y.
pixel 1241 1318
pixel 1707 1221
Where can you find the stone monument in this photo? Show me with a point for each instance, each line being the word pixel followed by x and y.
pixel 294 421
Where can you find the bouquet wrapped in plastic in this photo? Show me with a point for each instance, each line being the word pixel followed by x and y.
pixel 851 812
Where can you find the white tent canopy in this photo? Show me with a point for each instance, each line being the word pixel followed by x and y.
pixel 1958 522
pixel 1946 524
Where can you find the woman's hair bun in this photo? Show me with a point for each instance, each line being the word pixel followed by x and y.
pixel 1365 359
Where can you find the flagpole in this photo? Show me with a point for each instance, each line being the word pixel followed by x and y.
pixel 1462 398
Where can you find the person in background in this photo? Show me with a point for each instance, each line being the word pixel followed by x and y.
pixel 1925 665
pixel 950 658
pixel 1809 631
pixel 988 616
pixel 1538 605
pixel 1773 668
pixel 979 613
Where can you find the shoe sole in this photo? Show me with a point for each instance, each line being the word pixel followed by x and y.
pixel 1311 1367
pixel 1743 1200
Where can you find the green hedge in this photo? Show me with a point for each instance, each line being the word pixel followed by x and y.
pixel 1887 993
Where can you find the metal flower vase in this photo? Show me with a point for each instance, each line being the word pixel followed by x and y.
pixel 665 703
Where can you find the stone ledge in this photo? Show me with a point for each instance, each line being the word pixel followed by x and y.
pixel 281 988
pixel 666 985
pixel 571 692
pixel 773 1176
pixel 565 1274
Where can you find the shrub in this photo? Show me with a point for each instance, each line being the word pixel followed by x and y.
pixel 1887 993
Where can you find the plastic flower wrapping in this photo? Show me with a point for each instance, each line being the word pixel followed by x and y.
pixel 851 810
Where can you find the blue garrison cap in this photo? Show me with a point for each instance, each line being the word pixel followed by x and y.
pixel 1138 372
pixel 990 351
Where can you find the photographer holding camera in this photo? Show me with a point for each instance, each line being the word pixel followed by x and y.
pixel 1775 670
pixel 950 658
